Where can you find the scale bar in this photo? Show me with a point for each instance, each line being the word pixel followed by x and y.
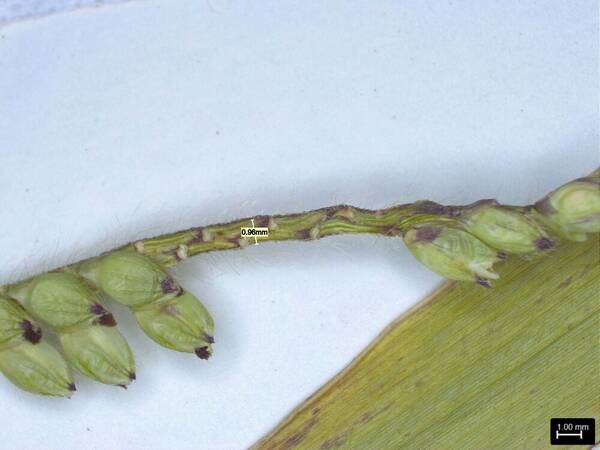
pixel 580 434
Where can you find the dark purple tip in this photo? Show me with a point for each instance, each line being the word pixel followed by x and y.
pixel 169 286
pixel 202 352
pixel 544 243
pixel 208 338
pixel 97 309
pixel 427 234
pixel 107 320
pixel 72 387
pixel 483 282
pixel 122 386
pixel 132 376
pixel 31 333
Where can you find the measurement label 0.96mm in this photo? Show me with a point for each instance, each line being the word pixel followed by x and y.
pixel 254 232
pixel 572 431
pixel 251 231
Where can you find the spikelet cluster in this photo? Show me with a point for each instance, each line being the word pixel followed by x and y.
pixel 466 244
pixel 459 243
pixel 71 304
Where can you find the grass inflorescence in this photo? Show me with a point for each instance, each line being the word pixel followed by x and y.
pixel 458 242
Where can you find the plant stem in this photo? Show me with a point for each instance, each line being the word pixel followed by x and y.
pixel 169 249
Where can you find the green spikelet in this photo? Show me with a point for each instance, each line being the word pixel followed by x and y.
pixel 181 323
pixel 452 252
pixel 572 210
pixel 25 359
pixel 170 316
pixel 504 229
pixel 87 331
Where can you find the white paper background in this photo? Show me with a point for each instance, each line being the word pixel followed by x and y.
pixel 17 10
pixel 131 120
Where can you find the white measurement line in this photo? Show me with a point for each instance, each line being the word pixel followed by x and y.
pixel 580 434
pixel 255 238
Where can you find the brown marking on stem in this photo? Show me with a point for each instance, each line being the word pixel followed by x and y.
pixel 429 207
pixel 454 211
pixel 370 415
pixel 262 221
pixel 235 240
pixel 303 234
pixel 298 437
pixel 336 441
pixel 197 236
pixel 393 231
pixel 31 333
pixel 565 283
pixel 329 212
pixel 501 256
pixel 427 234
pixel 544 206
